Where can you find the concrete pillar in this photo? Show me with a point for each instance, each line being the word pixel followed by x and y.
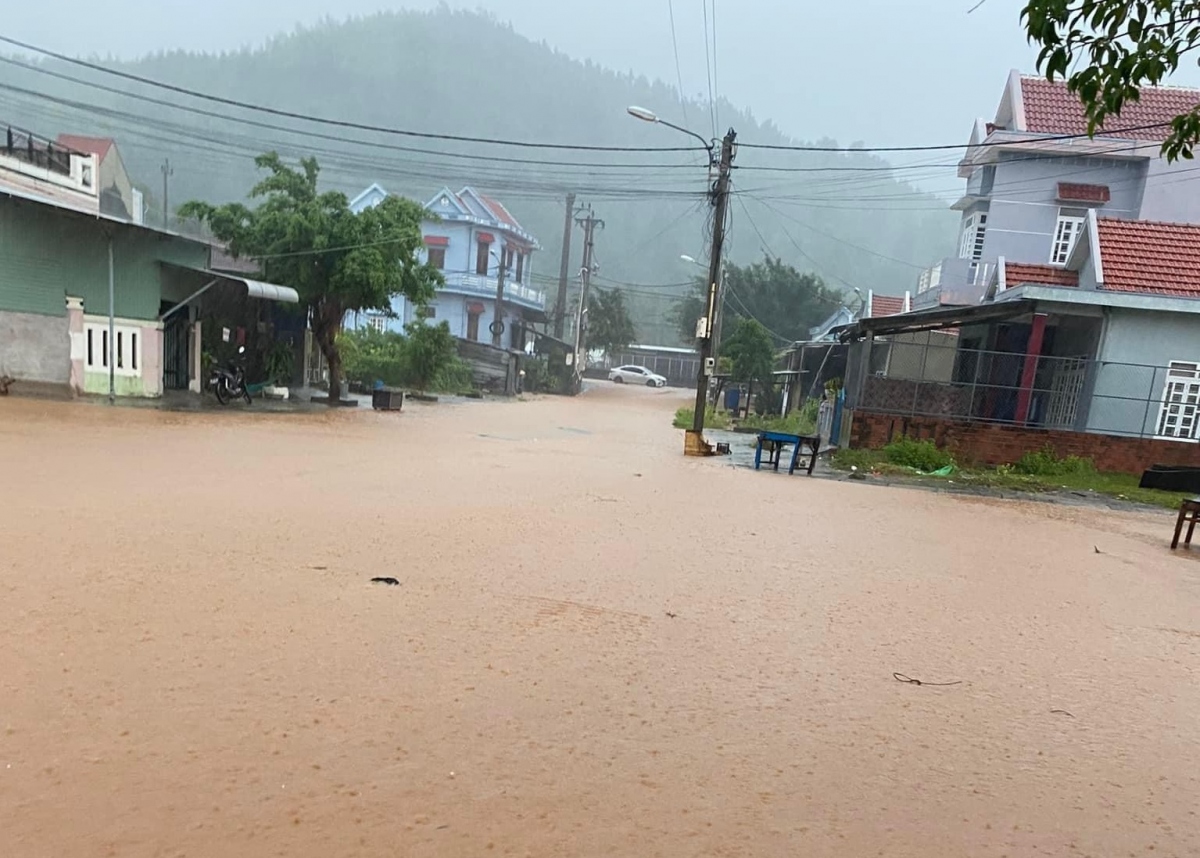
pixel 195 352
pixel 78 343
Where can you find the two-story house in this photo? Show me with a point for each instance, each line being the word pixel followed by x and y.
pixel 469 236
pixel 1033 175
pixel 118 196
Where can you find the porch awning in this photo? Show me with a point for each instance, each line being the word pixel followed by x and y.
pixel 932 320
pixel 254 288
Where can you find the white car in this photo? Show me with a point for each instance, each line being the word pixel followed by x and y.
pixel 631 374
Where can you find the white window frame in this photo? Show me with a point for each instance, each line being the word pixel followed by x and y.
pixel 1067 230
pixel 125 349
pixel 1179 411
pixel 970 244
pixel 379 323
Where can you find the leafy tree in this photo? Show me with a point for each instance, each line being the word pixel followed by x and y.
pixel 1108 49
pixel 608 324
pixel 337 260
pixel 771 290
pixel 751 351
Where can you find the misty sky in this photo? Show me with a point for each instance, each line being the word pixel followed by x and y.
pixel 886 72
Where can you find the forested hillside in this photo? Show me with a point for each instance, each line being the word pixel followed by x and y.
pixel 465 74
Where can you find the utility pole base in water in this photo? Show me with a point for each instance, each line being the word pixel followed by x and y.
pixel 695 445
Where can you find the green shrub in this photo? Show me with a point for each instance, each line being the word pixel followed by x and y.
pixel 920 455
pixel 369 355
pixel 454 377
pixel 1045 463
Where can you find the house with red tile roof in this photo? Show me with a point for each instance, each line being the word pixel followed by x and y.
pixel 1107 342
pixel 468 237
pixel 1033 175
pixel 118 197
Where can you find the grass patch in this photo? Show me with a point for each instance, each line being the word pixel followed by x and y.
pixel 713 419
pixel 1036 473
pixel 802 421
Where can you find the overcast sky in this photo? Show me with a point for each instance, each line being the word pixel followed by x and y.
pixel 886 72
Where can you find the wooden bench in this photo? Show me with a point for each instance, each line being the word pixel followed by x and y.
pixel 1189 512
pixel 775 442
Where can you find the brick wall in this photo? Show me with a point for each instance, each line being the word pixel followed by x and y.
pixel 997 444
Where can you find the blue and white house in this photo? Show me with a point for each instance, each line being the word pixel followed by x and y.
pixel 470 236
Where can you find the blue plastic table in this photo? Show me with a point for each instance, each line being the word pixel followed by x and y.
pixel 780 440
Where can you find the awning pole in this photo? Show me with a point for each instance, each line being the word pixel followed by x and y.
pixel 189 299
pixel 112 345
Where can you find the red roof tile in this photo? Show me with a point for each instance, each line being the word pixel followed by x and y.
pixel 1016 273
pixel 97 146
pixel 1051 109
pixel 1156 258
pixel 501 212
pixel 885 305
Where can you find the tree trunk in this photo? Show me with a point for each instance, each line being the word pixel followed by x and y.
pixel 326 323
pixel 334 359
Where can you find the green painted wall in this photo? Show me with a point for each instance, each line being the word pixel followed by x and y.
pixel 48 253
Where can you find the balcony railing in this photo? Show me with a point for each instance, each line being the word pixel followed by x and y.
pixel 485 287
pixel 962 281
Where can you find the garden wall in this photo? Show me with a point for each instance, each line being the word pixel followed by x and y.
pixel 998 444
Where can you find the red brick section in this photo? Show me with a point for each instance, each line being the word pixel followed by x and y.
pixel 1016 273
pixel 1050 109
pixel 996 444
pixel 1144 256
pixel 885 305
pixel 1074 192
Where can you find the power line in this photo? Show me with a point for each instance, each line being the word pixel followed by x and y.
pixel 708 75
pixel 337 123
pixel 716 89
pixel 840 240
pixel 314 134
pixel 678 69
pixel 1107 132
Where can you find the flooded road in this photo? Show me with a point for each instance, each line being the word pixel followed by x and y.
pixel 596 647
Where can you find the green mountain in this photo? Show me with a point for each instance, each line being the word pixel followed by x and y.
pixel 464 74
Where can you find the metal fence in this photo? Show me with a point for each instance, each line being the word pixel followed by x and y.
pixel 678 370
pixel 921 378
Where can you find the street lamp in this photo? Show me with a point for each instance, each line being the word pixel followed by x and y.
pixel 694 443
pixel 650 116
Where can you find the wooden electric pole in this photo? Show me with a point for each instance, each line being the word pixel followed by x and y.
pixel 497 327
pixel 694 445
pixel 564 271
pixel 589 223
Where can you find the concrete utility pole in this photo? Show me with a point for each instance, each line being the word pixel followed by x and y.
pixel 694 444
pixel 168 171
pixel 589 224
pixel 497 326
pixel 560 307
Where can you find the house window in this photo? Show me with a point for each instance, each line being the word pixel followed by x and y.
pixel 124 351
pixel 520 266
pixel 1070 225
pixel 473 327
pixel 971 244
pixel 428 312
pixel 437 257
pixel 1179 414
pixel 377 323
pixel 481 258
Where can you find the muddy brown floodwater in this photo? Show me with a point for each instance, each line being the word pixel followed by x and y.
pixel 597 647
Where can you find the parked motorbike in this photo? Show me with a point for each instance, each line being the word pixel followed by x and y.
pixel 229 383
